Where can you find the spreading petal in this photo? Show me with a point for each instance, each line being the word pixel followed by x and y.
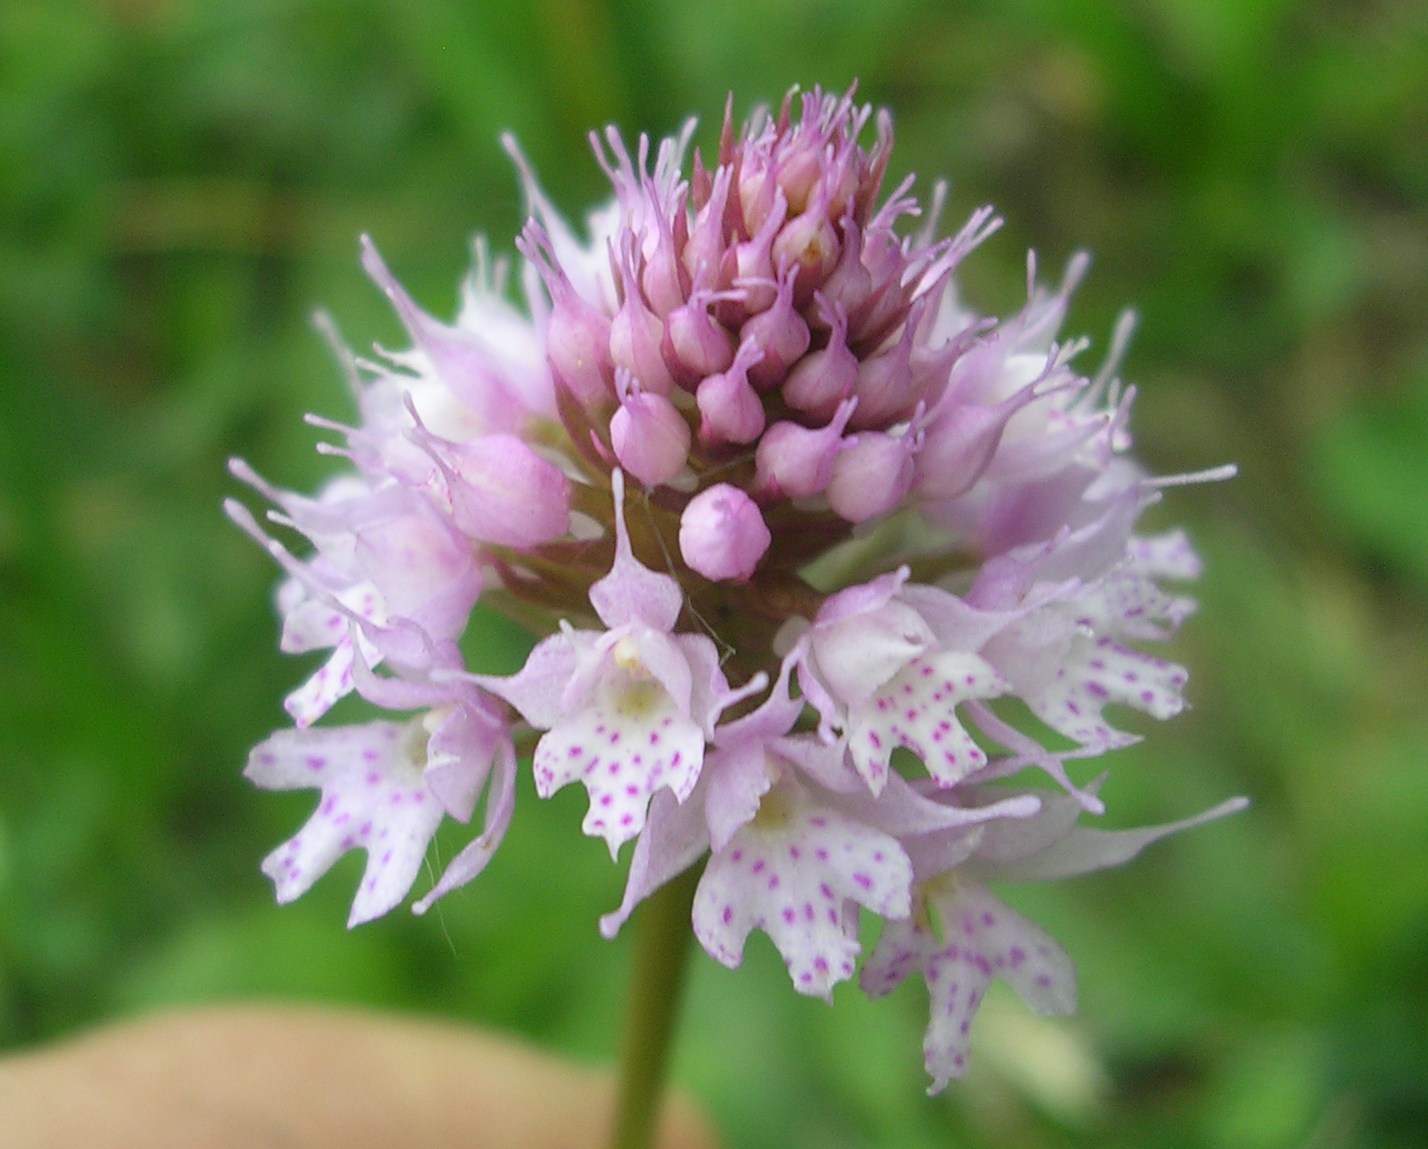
pixel 798 871
pixel 960 939
pixel 374 798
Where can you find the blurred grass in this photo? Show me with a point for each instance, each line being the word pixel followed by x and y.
pixel 181 185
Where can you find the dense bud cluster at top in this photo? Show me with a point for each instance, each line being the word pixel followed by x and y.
pixel 791 526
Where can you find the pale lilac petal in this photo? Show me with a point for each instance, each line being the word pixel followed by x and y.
pixel 463 743
pixel 472 860
pixel 373 798
pixel 627 742
pixel 980 939
pixel 1004 843
pixel 631 592
pixel 797 872
pixel 916 709
pixel 738 778
pixel 736 769
pixel 917 809
pixel 673 839
pixel 536 689
pixel 854 656
pixel 652 654
pixel 1084 849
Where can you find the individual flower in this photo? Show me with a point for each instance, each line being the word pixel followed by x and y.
pixel 960 937
pixel 385 788
pixel 626 710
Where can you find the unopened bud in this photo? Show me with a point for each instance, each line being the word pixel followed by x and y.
pixel 722 534
pixel 795 462
pixel 872 475
pixel 730 409
pixel 781 333
pixel 649 435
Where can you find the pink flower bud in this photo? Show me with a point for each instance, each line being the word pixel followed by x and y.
pixel 577 337
pixel 730 409
pixel 822 379
pixel 886 388
pixel 808 242
pixel 849 284
pixel 749 268
pixel 697 344
pixel 705 250
pixel 758 195
pixel 664 279
pixel 886 302
pixel 795 462
pixel 961 440
pixel 872 475
pixel 801 169
pixel 780 332
pixel 498 490
pixel 649 435
pixel 637 335
pixel 722 535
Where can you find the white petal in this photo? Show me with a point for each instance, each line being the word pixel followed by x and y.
pixel 627 742
pixel 917 710
pixel 373 798
pixel 798 872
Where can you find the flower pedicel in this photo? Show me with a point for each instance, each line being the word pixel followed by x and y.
pixel 794 527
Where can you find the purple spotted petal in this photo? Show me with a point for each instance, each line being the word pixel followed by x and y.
pixel 916 709
pixel 980 939
pixel 626 742
pixel 798 871
pixel 1098 672
pixel 373 798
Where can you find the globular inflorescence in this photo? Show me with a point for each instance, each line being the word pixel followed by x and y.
pixel 816 559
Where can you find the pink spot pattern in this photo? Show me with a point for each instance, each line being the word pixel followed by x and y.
pixel 976 938
pixel 622 755
pixel 800 880
pixel 1100 671
pixel 916 709
pixel 374 798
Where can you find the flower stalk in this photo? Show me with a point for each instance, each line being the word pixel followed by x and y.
pixel 662 943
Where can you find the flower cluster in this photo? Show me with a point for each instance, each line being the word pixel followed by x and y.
pixel 817 559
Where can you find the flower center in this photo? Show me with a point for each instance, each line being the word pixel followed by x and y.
pixel 775 810
pixel 639 697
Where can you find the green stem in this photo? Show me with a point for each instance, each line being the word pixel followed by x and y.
pixel 662 940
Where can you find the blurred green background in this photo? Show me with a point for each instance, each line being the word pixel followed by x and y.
pixel 182 183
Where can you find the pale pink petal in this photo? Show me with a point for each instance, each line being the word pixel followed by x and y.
pixel 631 592
pixel 1084 849
pixel 373 798
pixel 1098 672
pixel 673 839
pixel 798 871
pixel 629 740
pixel 916 709
pixel 979 939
